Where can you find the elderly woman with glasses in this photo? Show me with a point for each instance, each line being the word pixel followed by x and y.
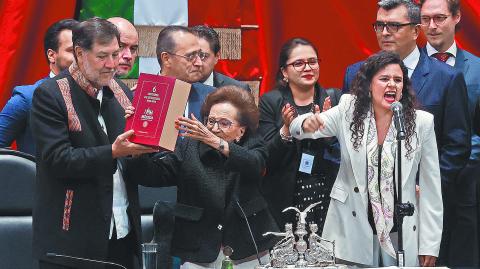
pixel 361 218
pixel 217 168
pixel 288 182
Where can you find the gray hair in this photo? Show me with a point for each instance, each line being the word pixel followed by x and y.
pixel 412 8
pixel 94 30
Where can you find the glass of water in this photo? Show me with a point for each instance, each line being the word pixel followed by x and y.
pixel 149 255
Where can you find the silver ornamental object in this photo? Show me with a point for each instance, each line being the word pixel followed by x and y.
pixel 295 252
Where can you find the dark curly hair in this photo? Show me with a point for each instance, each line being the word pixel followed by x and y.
pixel 363 101
pixel 242 100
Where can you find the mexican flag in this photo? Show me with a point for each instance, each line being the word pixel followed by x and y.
pixel 149 16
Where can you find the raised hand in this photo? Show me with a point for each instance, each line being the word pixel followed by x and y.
pixel 327 104
pixel 288 114
pixel 195 129
pixel 313 123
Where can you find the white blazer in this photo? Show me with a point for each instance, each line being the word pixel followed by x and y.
pixel 347 217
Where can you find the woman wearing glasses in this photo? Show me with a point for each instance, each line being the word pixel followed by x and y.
pixel 299 173
pixel 217 168
pixel 361 218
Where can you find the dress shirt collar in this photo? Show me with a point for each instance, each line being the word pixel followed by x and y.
pixel 51 75
pixel 411 61
pixel 452 50
pixel 209 80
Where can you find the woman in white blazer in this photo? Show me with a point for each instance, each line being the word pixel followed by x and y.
pixel 361 216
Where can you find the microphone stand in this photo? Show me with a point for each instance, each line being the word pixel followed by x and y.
pixel 401 209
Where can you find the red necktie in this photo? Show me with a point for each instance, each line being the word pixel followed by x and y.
pixel 442 56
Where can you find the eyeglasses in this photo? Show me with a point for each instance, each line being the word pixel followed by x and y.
pixel 392 27
pixel 223 124
pixel 192 55
pixel 299 65
pixel 437 19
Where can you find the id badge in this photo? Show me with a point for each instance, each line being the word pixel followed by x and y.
pixel 306 163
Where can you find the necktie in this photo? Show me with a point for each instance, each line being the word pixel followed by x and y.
pixel 442 56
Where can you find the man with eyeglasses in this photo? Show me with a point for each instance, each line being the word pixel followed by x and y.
pixel 440 90
pixel 180 56
pixel 128 45
pixel 440 20
pixel 210 44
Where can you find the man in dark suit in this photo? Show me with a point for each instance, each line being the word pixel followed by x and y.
pixel 440 20
pixel 84 207
pixel 440 90
pixel 210 44
pixel 15 116
pixel 180 56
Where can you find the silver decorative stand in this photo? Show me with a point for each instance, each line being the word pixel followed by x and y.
pixel 288 253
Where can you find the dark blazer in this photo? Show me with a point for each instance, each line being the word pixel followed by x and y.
pixel 198 94
pixel 440 90
pixel 220 80
pixel 469 65
pixel 74 185
pixel 15 119
pixel 209 188
pixel 282 166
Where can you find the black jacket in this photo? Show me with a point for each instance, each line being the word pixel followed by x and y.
pixel 220 80
pixel 279 183
pixel 209 188
pixel 74 186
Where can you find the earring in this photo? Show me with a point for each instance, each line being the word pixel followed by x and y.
pixel 369 94
pixel 285 79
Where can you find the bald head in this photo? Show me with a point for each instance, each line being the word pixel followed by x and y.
pixel 128 44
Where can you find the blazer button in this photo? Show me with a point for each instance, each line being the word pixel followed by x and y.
pixel 356 189
pixel 354 213
pixel 220 227
pixel 414 227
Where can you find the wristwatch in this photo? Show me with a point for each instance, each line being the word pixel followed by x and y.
pixel 221 146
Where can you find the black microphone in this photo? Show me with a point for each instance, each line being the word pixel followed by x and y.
pixel 55 255
pixel 398 120
pixel 250 231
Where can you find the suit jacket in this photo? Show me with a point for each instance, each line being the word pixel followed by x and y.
pixel 347 217
pixel 440 90
pixel 74 184
pixel 469 65
pixel 220 80
pixel 210 187
pixel 15 119
pixel 198 93
pixel 279 183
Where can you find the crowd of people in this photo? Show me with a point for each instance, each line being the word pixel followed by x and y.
pixel 236 161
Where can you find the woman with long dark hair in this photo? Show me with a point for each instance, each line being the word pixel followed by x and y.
pixel 361 217
pixel 288 183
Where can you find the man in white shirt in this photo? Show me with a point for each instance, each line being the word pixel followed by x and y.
pixel 439 89
pixel 440 20
pixel 84 205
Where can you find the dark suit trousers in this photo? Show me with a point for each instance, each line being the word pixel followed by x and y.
pixel 460 244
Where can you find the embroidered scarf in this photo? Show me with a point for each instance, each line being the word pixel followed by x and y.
pixel 83 82
pixel 380 187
